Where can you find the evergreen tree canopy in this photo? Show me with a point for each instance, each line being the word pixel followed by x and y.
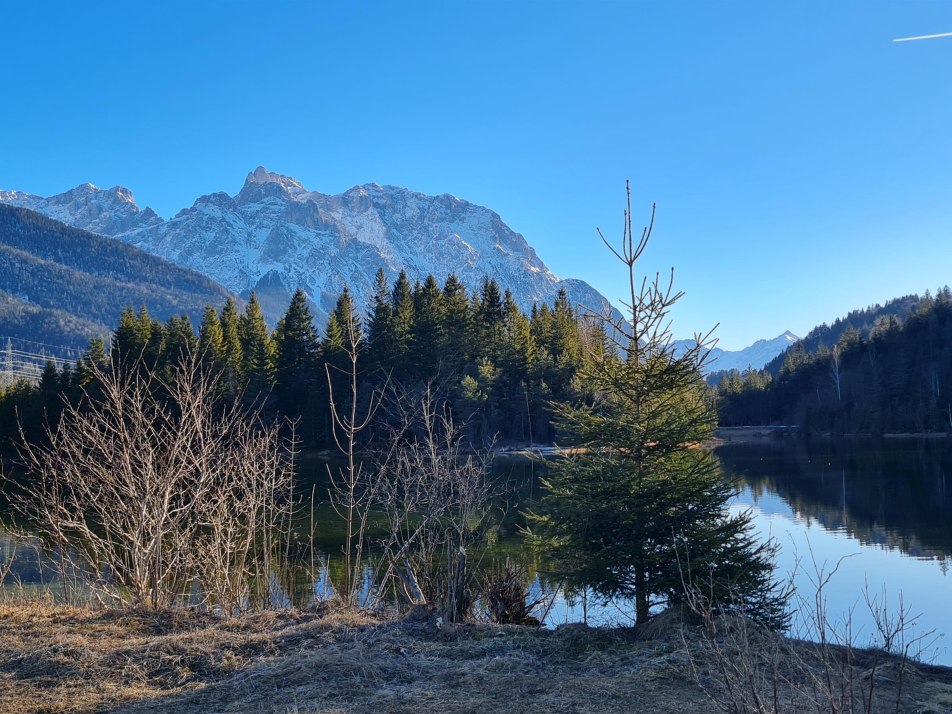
pixel 296 359
pixel 641 511
pixel 211 340
pixel 231 345
pixel 257 350
pixel 380 327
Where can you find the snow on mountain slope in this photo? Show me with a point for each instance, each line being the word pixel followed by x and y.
pixel 755 356
pixel 108 212
pixel 275 236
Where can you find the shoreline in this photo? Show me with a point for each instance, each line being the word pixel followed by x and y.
pixel 61 659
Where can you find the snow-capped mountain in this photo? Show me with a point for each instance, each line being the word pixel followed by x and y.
pixel 275 236
pixel 108 212
pixel 755 356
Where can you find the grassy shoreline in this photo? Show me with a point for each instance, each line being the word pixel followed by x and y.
pixel 61 659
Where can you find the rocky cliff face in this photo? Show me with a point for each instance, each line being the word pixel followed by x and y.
pixel 275 236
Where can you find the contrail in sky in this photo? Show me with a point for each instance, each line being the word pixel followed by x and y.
pixel 923 37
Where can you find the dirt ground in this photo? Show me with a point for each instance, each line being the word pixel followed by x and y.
pixel 56 659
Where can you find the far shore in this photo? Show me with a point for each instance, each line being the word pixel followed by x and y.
pixel 759 434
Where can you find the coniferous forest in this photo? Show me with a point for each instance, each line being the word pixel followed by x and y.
pixel 884 370
pixel 498 368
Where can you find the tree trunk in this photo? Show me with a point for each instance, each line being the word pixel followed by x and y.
pixel 641 597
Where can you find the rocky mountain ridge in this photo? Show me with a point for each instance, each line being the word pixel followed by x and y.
pixel 274 236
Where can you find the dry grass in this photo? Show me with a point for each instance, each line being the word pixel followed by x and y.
pixel 56 659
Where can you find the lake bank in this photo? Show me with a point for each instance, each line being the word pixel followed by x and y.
pixel 59 659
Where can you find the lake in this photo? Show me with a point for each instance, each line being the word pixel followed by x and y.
pixel 877 510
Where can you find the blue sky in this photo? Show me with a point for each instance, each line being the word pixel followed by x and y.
pixel 801 161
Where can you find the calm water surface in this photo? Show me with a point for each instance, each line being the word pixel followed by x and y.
pixel 878 511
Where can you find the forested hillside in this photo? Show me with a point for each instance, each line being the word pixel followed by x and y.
pixel 62 286
pixel 496 367
pixel 862 321
pixel 888 373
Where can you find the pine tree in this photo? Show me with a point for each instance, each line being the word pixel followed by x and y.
pixel 641 511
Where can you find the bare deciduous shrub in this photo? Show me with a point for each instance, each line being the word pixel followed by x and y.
pixel 352 487
pixel 507 597
pixel 745 668
pixel 436 497
pixel 154 485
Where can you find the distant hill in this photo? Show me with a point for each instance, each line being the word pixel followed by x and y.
pixel 862 320
pixel 61 285
pixel 884 369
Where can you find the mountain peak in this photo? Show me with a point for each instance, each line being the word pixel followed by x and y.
pixel 123 194
pixel 276 236
pixel 262 176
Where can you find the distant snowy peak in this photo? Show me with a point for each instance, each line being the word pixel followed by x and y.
pixel 755 356
pixel 262 176
pixel 106 211
pixel 275 236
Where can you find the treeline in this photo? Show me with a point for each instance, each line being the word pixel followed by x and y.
pixel 896 376
pixel 498 368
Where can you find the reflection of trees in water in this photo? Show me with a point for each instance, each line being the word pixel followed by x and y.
pixel 891 494
pixel 314 564
pixel 24 563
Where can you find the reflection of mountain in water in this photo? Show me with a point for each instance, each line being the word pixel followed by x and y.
pixel 891 494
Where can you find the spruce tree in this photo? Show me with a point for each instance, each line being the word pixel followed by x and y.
pixel 456 346
pixel 514 363
pixel 130 337
pixel 642 511
pixel 296 363
pixel 427 329
pixel 211 341
pixel 342 332
pixel 93 360
pixel 178 342
pixel 403 319
pixel 231 346
pixel 489 319
pixel 380 328
pixel 257 351
pixel 565 347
